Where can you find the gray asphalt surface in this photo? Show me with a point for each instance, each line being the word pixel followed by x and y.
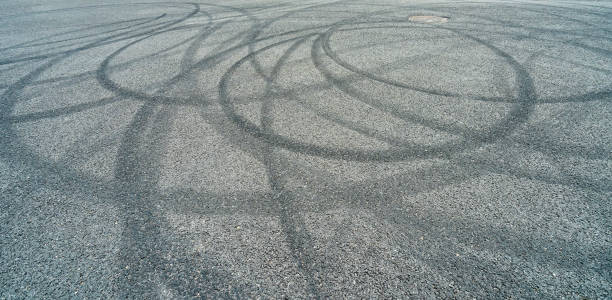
pixel 305 149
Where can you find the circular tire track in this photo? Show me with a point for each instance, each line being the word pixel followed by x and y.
pixel 524 103
pixel 517 116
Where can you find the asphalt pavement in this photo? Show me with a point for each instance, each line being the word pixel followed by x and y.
pixel 305 149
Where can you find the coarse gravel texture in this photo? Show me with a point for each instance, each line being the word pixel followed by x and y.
pixel 305 149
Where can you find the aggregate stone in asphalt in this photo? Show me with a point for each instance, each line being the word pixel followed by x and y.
pixel 318 149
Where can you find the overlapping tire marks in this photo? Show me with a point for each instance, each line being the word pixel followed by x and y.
pixel 526 98
pixel 298 242
pixel 37 42
pixel 141 236
pixel 110 39
pixel 138 170
pixel 291 220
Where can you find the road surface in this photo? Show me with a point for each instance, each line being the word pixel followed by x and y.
pixel 305 149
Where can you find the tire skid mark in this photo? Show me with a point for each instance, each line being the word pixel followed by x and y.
pixel 142 145
pixel 291 219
